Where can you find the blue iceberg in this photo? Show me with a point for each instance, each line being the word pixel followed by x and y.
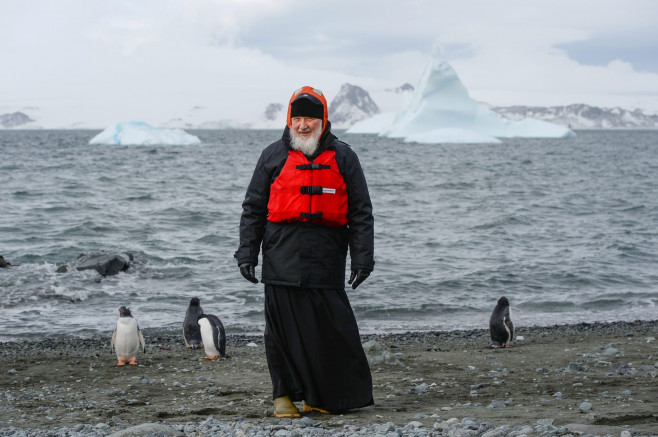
pixel 138 133
pixel 442 111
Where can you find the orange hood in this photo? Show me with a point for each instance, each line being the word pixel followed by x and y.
pixel 312 92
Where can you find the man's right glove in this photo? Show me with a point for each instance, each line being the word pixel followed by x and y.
pixel 249 272
pixel 357 277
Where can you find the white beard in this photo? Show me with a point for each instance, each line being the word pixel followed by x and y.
pixel 307 146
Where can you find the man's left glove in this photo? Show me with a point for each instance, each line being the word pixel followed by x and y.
pixel 357 277
pixel 248 270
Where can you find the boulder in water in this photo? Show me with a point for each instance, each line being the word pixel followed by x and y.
pixel 4 263
pixel 104 264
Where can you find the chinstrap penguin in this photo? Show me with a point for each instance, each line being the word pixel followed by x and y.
pixel 191 330
pixel 501 326
pixel 213 336
pixel 127 338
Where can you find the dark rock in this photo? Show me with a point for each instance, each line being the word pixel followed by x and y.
pixel 104 264
pixel 4 263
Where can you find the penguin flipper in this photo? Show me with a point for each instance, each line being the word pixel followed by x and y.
pixel 114 339
pixel 141 340
pixel 222 340
pixel 510 328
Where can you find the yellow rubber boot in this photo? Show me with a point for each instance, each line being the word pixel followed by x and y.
pixel 307 408
pixel 283 407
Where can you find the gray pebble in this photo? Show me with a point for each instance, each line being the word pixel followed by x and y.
pixel 585 406
pixel 497 404
pixel 307 421
pixel 574 367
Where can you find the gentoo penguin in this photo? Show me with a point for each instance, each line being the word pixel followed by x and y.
pixel 501 327
pixel 213 336
pixel 126 338
pixel 191 332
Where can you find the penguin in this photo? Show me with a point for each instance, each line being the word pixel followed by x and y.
pixel 127 338
pixel 191 332
pixel 501 326
pixel 213 336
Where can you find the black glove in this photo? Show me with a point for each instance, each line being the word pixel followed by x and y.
pixel 357 277
pixel 249 272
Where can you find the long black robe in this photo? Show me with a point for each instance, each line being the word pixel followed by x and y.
pixel 313 348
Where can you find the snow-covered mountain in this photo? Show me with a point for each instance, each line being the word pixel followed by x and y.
pixel 581 116
pixel 404 88
pixel 15 119
pixel 273 111
pixel 351 104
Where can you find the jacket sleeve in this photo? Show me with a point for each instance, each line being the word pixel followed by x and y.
pixel 361 222
pixel 254 215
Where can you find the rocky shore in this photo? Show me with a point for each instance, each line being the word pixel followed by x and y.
pixel 585 379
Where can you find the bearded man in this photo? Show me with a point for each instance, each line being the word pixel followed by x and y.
pixel 307 204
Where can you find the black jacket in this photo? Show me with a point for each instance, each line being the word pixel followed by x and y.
pixel 306 254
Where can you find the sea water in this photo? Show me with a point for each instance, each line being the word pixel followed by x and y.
pixel 567 229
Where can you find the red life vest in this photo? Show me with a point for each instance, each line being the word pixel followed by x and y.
pixel 308 191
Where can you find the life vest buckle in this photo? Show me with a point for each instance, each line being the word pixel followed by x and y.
pixel 313 166
pixel 311 215
pixel 311 189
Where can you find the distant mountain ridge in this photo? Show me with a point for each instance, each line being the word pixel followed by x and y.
pixel 14 119
pixel 582 116
pixel 353 104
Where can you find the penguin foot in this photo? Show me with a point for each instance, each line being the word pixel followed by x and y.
pixel 211 358
pixel 133 363
pixel 507 345
pixel 121 363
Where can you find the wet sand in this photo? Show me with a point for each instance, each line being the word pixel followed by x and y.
pixel 597 379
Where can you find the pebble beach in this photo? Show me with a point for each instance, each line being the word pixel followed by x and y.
pixel 590 379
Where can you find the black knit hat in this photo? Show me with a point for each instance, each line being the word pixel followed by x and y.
pixel 306 105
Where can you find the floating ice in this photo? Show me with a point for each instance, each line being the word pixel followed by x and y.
pixel 441 111
pixel 142 134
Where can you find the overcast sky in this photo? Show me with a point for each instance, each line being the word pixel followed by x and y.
pixel 157 59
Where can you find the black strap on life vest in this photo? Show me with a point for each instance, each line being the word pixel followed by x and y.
pixel 311 215
pixel 313 166
pixel 311 189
